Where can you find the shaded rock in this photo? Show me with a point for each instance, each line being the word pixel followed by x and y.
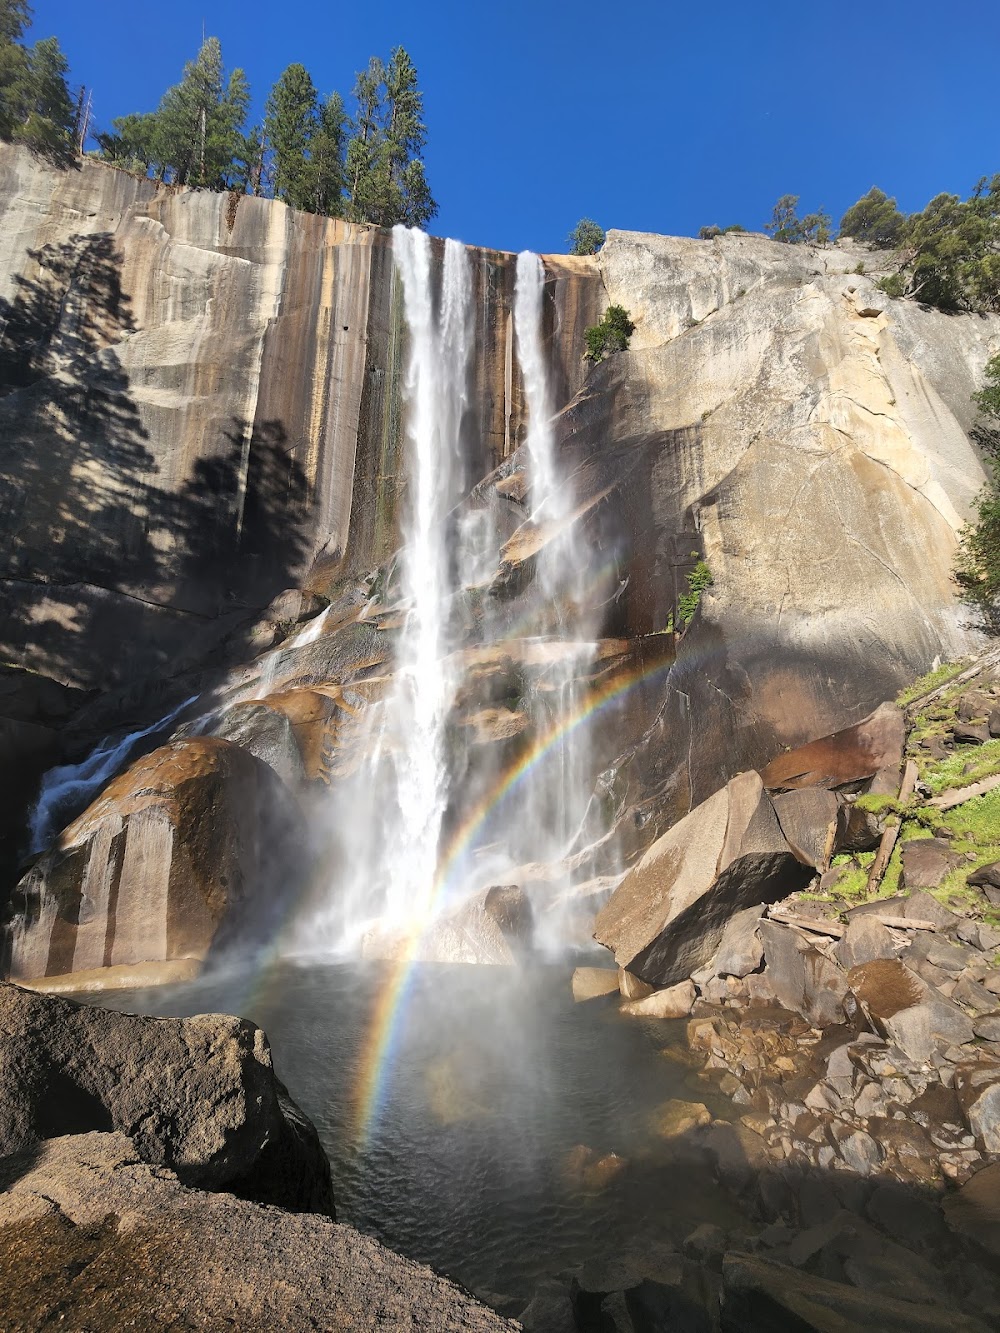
pixel 974 1209
pixel 266 733
pixel 740 950
pixel 974 733
pixel 926 861
pixel 803 979
pixel 872 749
pixel 922 906
pixel 124 1245
pixel 974 704
pixel 894 906
pixel 594 983
pixel 178 856
pixel 988 875
pixel 550 1310
pixel 667 916
pixel 858 830
pixel 197 1095
pixel 805 816
pixel 987 1027
pixel 769 1297
pixel 674 1002
pixel 974 996
pixel 861 1153
pixel 864 940
pixel 978 1091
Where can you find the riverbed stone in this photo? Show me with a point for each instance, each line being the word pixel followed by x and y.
pixel 974 1209
pixel 864 940
pixel 633 987
pixel 922 1027
pixel 677 1117
pixel 803 979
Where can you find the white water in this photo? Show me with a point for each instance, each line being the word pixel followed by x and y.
pixel 387 819
pixel 69 787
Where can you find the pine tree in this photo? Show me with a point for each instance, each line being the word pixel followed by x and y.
pixel 326 158
pixel 290 126
pixel 48 126
pixel 365 142
pixel 15 15
pixel 384 158
pixel 194 137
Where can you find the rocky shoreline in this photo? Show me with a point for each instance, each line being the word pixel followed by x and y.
pixel 853 1025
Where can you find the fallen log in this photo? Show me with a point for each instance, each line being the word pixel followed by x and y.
pixel 881 862
pixel 950 799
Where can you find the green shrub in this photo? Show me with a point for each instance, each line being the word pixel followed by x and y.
pixel 586 238
pixel 893 284
pixel 611 335
pixel 698 580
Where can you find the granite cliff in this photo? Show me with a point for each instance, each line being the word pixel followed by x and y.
pixel 200 411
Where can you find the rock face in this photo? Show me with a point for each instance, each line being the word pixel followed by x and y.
pixel 180 854
pixel 197 1095
pixel 214 381
pixel 667 916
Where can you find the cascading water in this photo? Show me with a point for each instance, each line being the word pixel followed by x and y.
pixel 435 395
pixel 391 867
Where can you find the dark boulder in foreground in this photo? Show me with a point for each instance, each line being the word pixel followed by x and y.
pixel 112 1129
pixel 667 916
pixel 197 1095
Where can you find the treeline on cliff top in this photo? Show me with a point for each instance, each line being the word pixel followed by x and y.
pixel 365 164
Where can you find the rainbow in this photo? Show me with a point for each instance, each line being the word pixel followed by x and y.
pixel 377 1052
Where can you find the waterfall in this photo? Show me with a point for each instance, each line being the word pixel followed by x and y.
pixel 435 395
pixel 529 291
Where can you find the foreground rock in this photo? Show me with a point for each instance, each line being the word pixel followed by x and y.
pixel 196 1095
pixel 668 915
pixel 112 1127
pixel 492 927
pixel 93 1237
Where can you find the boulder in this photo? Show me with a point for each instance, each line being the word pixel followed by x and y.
pixel 922 1027
pixel 870 750
pixel 667 916
pixel 492 927
pixel 770 1297
pixel 631 987
pixel 674 1002
pixel 864 940
pixel 179 856
pixel 926 861
pixel 197 1095
pixel 883 987
pixel 740 950
pixel 807 817
pixel 594 983
pixel 676 1117
pixel 971 733
pixel 985 876
pixel 96 1238
pixel 974 1210
pixel 978 1090
pixel 858 830
pixel 803 979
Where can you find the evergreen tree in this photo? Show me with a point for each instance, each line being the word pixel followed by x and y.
pixel 876 220
pixel 289 126
pixel 587 237
pixel 249 167
pixel 51 114
pixel 363 149
pixel 326 158
pixel 15 15
pixel 788 227
pixel 194 137
pixel 385 169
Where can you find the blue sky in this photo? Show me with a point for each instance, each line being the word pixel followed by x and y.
pixel 649 116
